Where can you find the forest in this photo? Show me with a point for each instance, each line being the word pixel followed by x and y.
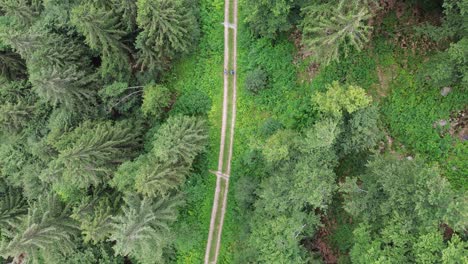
pixel 350 139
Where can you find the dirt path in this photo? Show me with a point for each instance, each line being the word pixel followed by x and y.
pixel 224 166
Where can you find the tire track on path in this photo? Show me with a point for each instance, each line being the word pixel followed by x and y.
pixel 215 231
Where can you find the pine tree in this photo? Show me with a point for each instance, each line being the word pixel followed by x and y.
pixel 142 232
pixel 47 227
pixel 331 30
pixel 168 28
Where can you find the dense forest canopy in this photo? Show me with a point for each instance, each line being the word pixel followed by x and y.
pixel 350 146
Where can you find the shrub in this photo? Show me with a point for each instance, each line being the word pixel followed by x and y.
pixel 256 81
pixel 192 103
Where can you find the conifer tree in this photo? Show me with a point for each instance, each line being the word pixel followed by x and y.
pixel 68 88
pixel 89 154
pixel 20 10
pixel 100 28
pixel 12 207
pixel 142 232
pixel 13 117
pixel 177 143
pixel 268 18
pixel 329 30
pixel 11 65
pixel 168 28
pixel 46 228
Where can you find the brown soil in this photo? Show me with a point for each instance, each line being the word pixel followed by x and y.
pixel 459 124
pixel 319 243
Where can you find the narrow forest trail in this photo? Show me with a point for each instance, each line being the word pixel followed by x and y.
pixel 227 133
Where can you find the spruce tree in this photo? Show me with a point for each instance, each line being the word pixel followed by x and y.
pixel 168 28
pixel 11 65
pixel 13 117
pixel 142 232
pixel 330 30
pixel 20 10
pixel 177 143
pixel 12 207
pixel 89 154
pixel 69 88
pixel 46 228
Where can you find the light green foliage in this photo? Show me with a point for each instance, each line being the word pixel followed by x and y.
pixel 275 240
pixel 401 201
pixel 46 228
pixel 289 198
pixel 142 232
pixel 156 97
pixel 428 247
pixel 176 144
pixel 169 28
pixel 338 99
pixel 280 147
pixel 332 29
pixel 95 218
pixel 89 154
pixel 455 251
pixel 268 18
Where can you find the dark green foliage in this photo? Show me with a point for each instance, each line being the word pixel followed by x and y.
pixel 269 127
pixel 361 132
pixel 169 28
pixel 102 31
pixel 256 81
pixel 12 207
pixel 119 96
pixel 287 201
pixel 268 18
pixel 11 65
pixel 21 11
pixel 192 104
pixel 14 117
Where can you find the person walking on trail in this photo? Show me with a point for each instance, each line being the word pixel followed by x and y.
pixel 225 72
pixel 232 72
